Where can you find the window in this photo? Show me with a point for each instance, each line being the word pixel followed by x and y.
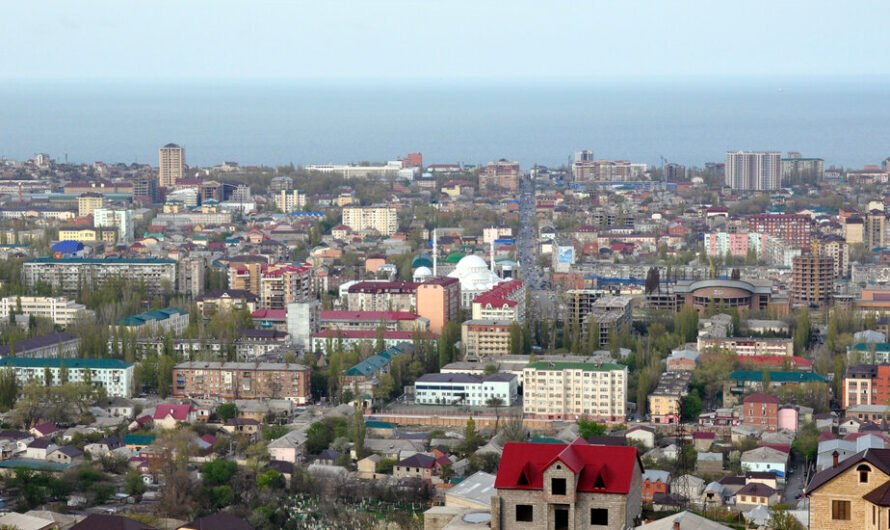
pixel 525 513
pixel 558 486
pixel 863 470
pixel 599 516
pixel 840 510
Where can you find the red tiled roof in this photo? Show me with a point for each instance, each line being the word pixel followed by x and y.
pixel 376 316
pixel 269 314
pixel 179 412
pixel 599 468
pixel 499 295
pixel 760 397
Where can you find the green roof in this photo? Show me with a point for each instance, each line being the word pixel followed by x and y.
pixel 589 367
pixel 869 346
pixel 23 362
pixel 546 440
pixel 777 377
pixel 37 465
pixel 377 424
pixel 139 439
pixel 454 257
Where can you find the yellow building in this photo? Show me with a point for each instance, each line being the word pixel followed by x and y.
pixel 171 166
pixel 382 219
pixel 87 202
pixel 84 235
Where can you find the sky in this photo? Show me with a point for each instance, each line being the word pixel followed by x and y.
pixel 435 40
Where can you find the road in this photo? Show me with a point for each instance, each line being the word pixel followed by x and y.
pixel 526 248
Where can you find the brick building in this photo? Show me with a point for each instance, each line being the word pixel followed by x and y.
pixel 762 411
pixel 230 380
pixel 570 487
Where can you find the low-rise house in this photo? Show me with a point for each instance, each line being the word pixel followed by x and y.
pixel 766 459
pixel 683 521
pixel 104 446
pixel 119 407
pixel 473 492
pixel 709 463
pixel 39 449
pixel 217 521
pixel 65 455
pixel 328 457
pixel 169 416
pixel 688 486
pixel 289 448
pixel 755 494
pixel 44 430
pixel 136 443
pixel 702 441
pixel 713 495
pixel 654 481
pixel 642 435
pixel 96 521
pixel 419 465
pixel 242 426
pixel 20 521
pixel 761 411
pixel 852 494
pixel 366 468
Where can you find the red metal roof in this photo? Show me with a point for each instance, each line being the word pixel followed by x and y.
pixel 599 468
pixel 499 295
pixel 179 412
pixel 376 316
pixel 775 360
pixel 269 314
pixel 760 397
pixel 371 334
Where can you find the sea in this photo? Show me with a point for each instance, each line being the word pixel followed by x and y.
pixel 846 122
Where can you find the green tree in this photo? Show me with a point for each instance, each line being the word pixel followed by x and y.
pixel 9 389
pixel 218 472
pixel 227 411
pixel 692 406
pixel 588 428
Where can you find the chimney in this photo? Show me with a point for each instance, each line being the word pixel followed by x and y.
pixel 834 459
pixel 676 524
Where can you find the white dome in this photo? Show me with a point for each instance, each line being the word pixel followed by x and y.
pixel 474 275
pixel 422 273
pixel 470 263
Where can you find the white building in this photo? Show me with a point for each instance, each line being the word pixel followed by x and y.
pixel 504 301
pixel 114 375
pixel 120 219
pixel 571 390
pixel 302 323
pixel 753 170
pixel 290 200
pixel 71 275
pixel 475 277
pixel 170 319
pixel 61 310
pixel 465 389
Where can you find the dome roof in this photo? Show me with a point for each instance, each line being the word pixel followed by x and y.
pixel 421 261
pixel 471 263
pixel 422 273
pixel 474 275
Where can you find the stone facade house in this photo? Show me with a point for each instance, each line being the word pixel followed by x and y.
pixel 567 487
pixel 853 494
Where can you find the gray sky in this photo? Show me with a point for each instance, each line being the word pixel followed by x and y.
pixel 436 40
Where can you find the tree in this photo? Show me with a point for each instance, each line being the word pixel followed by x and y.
pixel 652 280
pixel 782 520
pixel 802 331
pixel 227 411
pixel 514 430
pixel 588 428
pixel 165 374
pixel 133 483
pixel 692 406
pixel 9 389
pixel 496 403
pixel 358 432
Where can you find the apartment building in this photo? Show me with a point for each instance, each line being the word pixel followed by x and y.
pixel 866 384
pixel 289 200
pixel 485 338
pixel 86 235
pixel 505 301
pixel 171 165
pixel 87 202
pixel 761 411
pixel 812 280
pixel 567 487
pixel 500 175
pixel 71 275
pixel 62 311
pixel 161 321
pixel 665 400
pixel 190 273
pixel 382 296
pixel 54 345
pixel 384 220
pixel 572 390
pixel 753 170
pixel 226 300
pixel 746 346
pixel 466 389
pixel 439 301
pixel 608 314
pixel 322 339
pixel 372 320
pixel 795 229
pixel 281 285
pixel 231 380
pixel 114 375
pixel 122 220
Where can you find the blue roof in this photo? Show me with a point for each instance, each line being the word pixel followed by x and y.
pixel 157 314
pixel 38 465
pixel 67 247
pixel 374 363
